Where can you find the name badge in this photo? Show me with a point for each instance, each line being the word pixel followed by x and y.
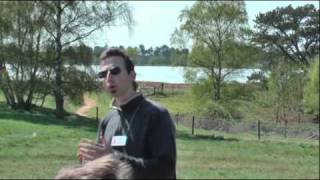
pixel 119 141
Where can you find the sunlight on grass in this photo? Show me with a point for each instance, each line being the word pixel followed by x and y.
pixel 103 101
pixel 36 145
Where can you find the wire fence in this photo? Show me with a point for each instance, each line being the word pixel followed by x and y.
pixel 153 88
pixel 260 128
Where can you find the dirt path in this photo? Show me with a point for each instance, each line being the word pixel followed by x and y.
pixel 88 104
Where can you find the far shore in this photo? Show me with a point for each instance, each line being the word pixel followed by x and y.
pixel 149 84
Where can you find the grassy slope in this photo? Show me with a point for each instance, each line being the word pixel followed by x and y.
pixel 37 145
pixel 204 157
pixel 175 104
pixel 103 103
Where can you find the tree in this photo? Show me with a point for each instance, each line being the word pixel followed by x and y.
pixel 165 51
pixel 142 50
pixel 179 57
pixel 214 27
pixel 133 52
pixel 294 31
pixel 85 55
pixel 5 27
pixel 97 50
pixel 71 21
pixel 286 90
pixel 311 90
pixel 21 42
pixel 149 52
pixel 78 55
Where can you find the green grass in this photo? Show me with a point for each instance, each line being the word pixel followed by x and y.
pixel 2 96
pixel 177 103
pixel 36 145
pixel 103 101
pixel 236 157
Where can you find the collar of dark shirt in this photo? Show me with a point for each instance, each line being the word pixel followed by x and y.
pixel 131 105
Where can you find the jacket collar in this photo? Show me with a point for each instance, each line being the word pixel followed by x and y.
pixel 130 105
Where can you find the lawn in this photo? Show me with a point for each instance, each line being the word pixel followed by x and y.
pixel 36 145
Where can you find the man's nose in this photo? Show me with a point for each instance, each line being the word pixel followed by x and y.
pixel 109 76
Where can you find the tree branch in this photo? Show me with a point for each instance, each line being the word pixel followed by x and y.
pixel 81 36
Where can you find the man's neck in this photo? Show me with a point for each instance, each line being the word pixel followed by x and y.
pixel 125 99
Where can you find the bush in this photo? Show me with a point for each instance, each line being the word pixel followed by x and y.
pixel 236 90
pixel 76 83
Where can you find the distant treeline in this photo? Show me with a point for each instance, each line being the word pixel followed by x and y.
pixel 163 55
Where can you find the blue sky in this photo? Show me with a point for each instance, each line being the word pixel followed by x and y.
pixel 156 21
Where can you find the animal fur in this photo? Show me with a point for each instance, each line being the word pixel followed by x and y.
pixel 105 167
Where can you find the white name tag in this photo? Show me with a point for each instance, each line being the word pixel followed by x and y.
pixel 119 141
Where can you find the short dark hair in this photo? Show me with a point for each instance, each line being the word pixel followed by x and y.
pixel 127 61
pixel 117 52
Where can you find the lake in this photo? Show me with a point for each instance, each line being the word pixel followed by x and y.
pixel 170 74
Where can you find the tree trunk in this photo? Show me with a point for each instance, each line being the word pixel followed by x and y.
pixel 7 89
pixel 58 66
pixel 3 77
pixel 32 83
pixel 218 79
pixel 2 85
pixel 43 99
pixel 218 87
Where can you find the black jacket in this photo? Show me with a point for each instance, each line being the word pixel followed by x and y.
pixel 151 146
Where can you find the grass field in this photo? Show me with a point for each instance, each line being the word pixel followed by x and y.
pixel 36 145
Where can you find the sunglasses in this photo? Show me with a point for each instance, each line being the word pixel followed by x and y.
pixel 113 71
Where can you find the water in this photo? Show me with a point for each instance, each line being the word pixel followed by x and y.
pixel 164 74
pixel 169 74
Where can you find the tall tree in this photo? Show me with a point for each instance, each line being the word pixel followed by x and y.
pixel 4 31
pixel 214 27
pixel 21 51
pixel 142 50
pixel 285 90
pixel 133 52
pixel 294 31
pixel 71 21
pixel 311 90
pixel 97 50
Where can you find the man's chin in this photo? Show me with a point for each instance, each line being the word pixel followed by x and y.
pixel 113 93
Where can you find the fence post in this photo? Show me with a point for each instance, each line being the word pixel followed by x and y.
pixel 259 130
pixel 285 128
pixel 97 114
pixel 178 117
pixel 177 120
pixel 162 87
pixel 192 125
pixel 172 86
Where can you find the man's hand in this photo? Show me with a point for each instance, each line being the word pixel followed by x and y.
pixel 89 150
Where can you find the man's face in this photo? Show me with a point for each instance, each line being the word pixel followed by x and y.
pixel 117 80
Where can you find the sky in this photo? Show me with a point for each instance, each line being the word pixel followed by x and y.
pixel 157 20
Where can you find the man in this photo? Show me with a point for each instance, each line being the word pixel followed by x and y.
pixel 136 130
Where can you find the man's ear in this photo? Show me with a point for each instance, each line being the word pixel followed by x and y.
pixel 132 74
